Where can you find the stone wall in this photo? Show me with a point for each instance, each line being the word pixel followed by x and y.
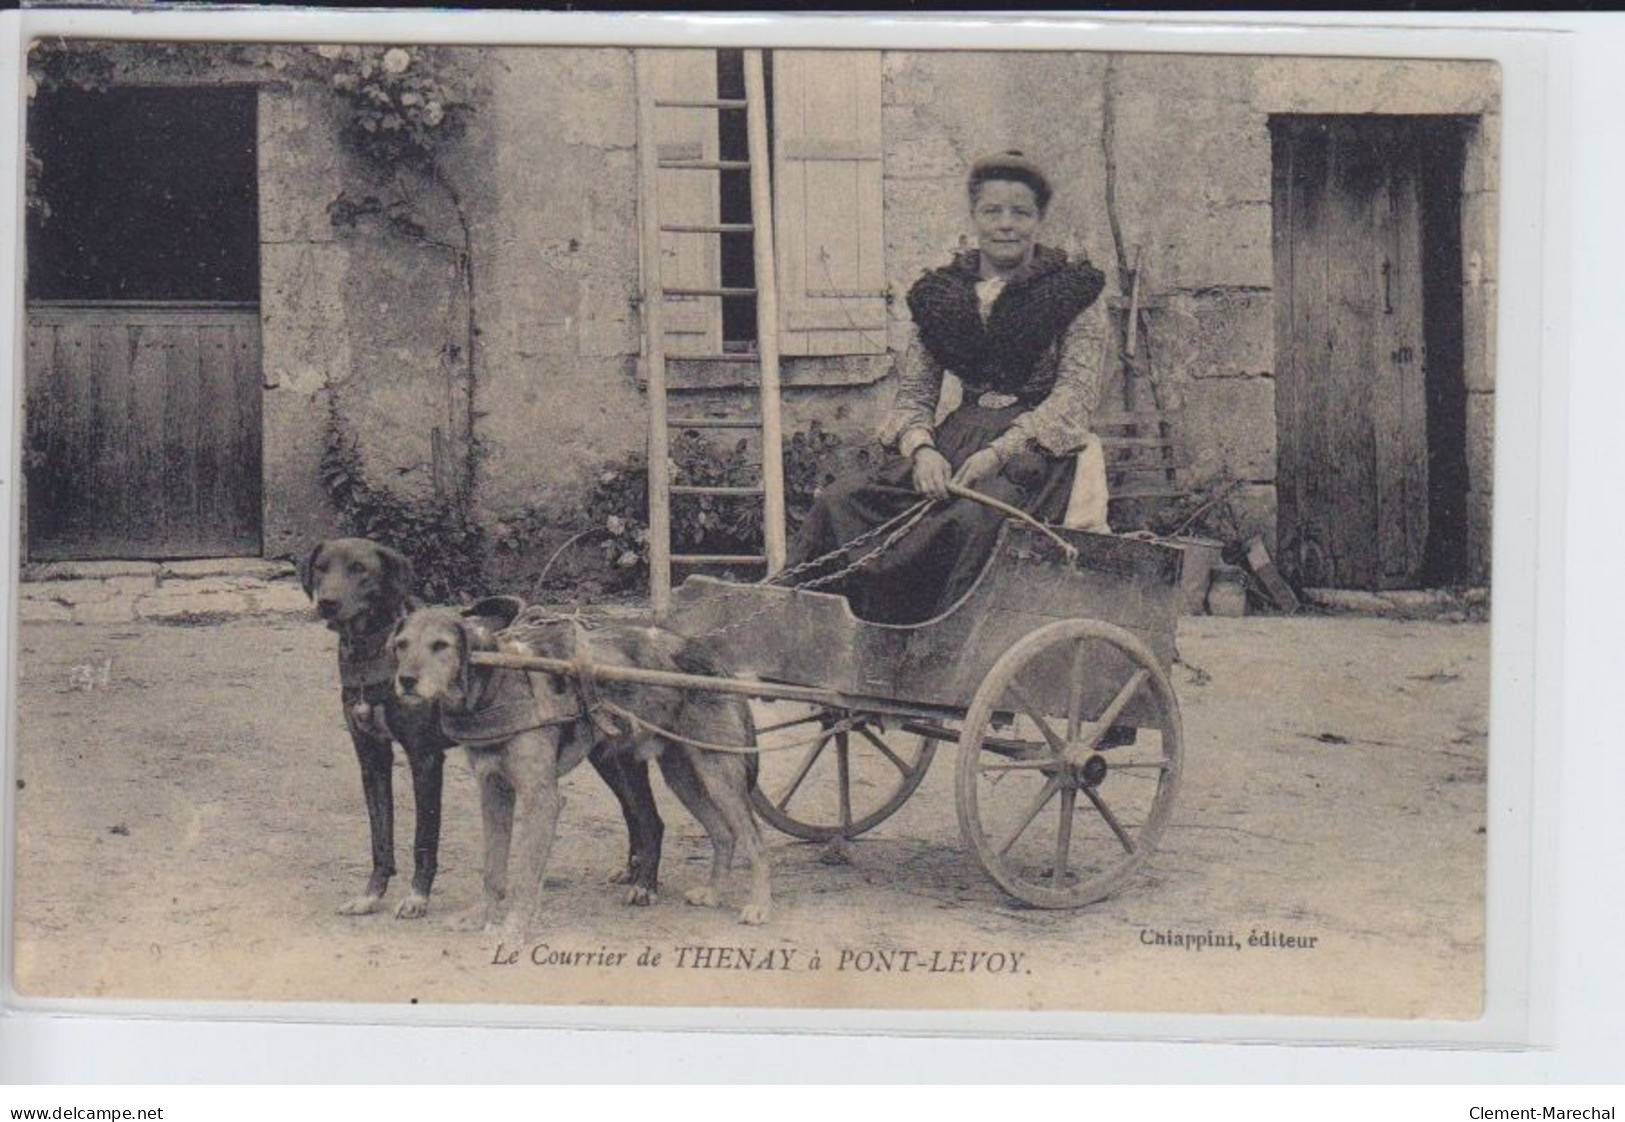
pixel 548 184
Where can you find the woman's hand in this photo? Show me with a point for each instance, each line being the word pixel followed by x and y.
pixel 931 472
pixel 977 468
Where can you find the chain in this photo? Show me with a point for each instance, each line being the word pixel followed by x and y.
pixel 898 527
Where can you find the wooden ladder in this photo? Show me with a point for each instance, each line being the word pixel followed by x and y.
pixel 655 293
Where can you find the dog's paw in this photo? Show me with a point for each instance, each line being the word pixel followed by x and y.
pixel 359 906
pixel 755 914
pixel 415 906
pixel 621 876
pixel 638 896
pixel 702 896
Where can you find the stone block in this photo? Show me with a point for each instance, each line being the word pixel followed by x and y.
pixel 303 317
pixel 1230 428
pixel 1480 540
pixel 78 592
pixel 1478 336
pixel 300 167
pixel 1481 170
pixel 43 611
pixel 1302 84
pixel 176 605
pixel 1481 442
pixel 256 568
pixel 118 610
pixel 280 597
pixel 1225 246
pixel 1480 234
pixel 904 81
pixel 1235 334
pixel 91 570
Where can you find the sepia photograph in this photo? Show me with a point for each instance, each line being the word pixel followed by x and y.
pixel 743 527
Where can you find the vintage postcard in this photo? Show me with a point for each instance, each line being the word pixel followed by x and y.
pixel 741 527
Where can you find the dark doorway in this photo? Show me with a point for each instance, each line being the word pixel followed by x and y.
pixel 143 363
pixel 1370 394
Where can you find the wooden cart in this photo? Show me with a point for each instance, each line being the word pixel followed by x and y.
pixel 1051 673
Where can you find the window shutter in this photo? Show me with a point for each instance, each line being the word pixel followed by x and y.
pixel 693 323
pixel 828 203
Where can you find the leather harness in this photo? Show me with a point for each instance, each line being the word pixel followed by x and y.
pixel 495 722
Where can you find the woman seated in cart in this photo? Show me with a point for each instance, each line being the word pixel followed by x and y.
pixel 1022 327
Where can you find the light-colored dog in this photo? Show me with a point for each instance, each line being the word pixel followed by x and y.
pixel 518 768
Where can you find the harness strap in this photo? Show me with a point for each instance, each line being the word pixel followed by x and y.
pixel 587 683
pixel 367 659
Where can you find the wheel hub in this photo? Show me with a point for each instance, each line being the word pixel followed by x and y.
pixel 1093 770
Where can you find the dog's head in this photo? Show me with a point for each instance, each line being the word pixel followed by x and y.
pixel 351 578
pixel 432 646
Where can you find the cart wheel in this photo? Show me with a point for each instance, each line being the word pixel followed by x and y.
pixel 1111 799
pixel 845 784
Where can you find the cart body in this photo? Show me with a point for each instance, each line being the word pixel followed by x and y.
pixel 812 638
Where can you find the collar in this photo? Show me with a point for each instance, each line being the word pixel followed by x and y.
pixel 364 656
pixel 1044 260
pixel 493 718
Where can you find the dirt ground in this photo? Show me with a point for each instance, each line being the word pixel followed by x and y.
pixel 189 817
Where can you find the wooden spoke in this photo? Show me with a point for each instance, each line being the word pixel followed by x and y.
pixel 1111 819
pixel 801 772
pixel 1063 839
pixel 1020 765
pixel 1074 697
pixel 1158 765
pixel 1057 745
pixel 843 768
pixel 1051 785
pixel 790 724
pixel 1119 703
pixel 881 747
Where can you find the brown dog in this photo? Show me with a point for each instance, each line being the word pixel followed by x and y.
pixel 524 731
pixel 363 590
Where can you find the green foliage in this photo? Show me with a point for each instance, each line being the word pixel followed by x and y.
pixel 618 503
pixel 446 546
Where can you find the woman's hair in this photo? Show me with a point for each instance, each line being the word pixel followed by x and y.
pixel 1012 166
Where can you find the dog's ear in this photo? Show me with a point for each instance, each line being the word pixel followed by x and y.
pixel 495 612
pixel 307 571
pixel 399 579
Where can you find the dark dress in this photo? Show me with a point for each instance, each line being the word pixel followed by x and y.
pixel 936 563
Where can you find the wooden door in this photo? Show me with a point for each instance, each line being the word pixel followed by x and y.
pixel 1351 403
pixel 143 431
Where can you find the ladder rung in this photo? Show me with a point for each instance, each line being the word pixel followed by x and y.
pixel 685 489
pixel 713 422
pixel 700 102
pixel 708 291
pixel 705 165
pixel 709 228
pixel 726 356
pixel 718 559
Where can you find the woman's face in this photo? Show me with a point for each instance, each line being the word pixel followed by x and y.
pixel 1006 216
